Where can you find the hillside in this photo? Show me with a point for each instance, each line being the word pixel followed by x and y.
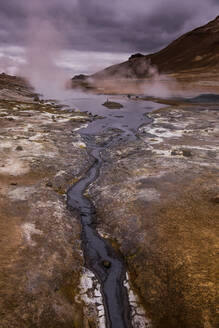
pixel 15 88
pixel 195 50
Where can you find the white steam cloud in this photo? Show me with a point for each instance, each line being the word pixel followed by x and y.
pixel 44 54
pixel 160 85
pixel 136 77
pixel 155 84
pixel 7 65
pixel 44 46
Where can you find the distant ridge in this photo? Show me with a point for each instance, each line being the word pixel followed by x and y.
pixel 195 50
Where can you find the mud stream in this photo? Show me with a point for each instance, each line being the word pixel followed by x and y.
pixel 114 127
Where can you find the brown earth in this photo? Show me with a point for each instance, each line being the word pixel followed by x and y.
pixel 157 201
pixel 41 259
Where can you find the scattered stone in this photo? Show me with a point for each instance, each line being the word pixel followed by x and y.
pixel 181 152
pixel 112 105
pixel 10 119
pixel 13 183
pixel 49 184
pixel 215 199
pixel 36 98
pixel 186 153
pixel 176 152
pixel 19 148
pixel 106 264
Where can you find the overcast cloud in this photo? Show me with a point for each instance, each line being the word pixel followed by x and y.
pixel 115 27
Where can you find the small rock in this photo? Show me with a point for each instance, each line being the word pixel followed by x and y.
pixel 137 55
pixel 49 184
pixel 176 152
pixel 186 153
pixel 215 199
pixel 10 119
pixel 112 105
pixel 36 98
pixel 106 264
pixel 181 152
pixel 13 183
pixel 19 148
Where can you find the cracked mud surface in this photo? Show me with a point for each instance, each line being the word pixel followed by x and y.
pixel 157 201
pixel 157 204
pixel 41 154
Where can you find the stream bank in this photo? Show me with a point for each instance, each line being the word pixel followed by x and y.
pixel 115 127
pixel 156 200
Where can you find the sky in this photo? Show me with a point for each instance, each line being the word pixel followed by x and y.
pixel 88 35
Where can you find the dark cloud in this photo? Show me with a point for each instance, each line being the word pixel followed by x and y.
pixel 112 26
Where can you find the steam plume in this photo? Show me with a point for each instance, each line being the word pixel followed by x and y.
pixel 43 49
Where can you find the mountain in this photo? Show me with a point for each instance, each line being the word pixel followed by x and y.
pixel 195 50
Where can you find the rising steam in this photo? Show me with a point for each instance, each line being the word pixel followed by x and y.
pixel 139 77
pixel 43 51
pixel 44 45
pixel 159 85
pixel 155 84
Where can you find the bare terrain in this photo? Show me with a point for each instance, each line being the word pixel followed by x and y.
pixel 41 257
pixel 157 202
pixel 156 199
pixel 187 65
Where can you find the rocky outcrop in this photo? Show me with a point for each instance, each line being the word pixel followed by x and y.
pixel 15 88
pixel 137 55
pixel 80 77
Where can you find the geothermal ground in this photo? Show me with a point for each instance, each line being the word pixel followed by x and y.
pixel 156 200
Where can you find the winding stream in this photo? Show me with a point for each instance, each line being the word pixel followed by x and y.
pixel 116 126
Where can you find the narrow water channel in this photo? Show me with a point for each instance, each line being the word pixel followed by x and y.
pixel 114 127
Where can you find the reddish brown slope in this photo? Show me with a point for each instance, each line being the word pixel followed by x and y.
pixel 197 49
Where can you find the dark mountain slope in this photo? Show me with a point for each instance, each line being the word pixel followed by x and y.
pixel 197 49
